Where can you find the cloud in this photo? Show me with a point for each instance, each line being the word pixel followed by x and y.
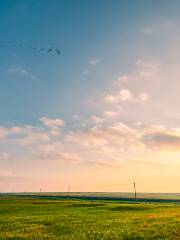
pixel 122 79
pixel 131 88
pixel 126 95
pixel 112 143
pixel 29 135
pixel 91 67
pixel 116 140
pixel 143 97
pixel 24 135
pixel 53 152
pixel 163 141
pixel 147 70
pixel 4 156
pixel 123 95
pixel 52 123
pixel 97 120
pixel 103 163
pixel 148 30
pixel 20 72
pixel 94 61
pixel 164 25
pixel 106 141
pixel 110 98
pixel 111 114
pixel 143 71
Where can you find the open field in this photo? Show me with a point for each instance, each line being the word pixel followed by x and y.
pixel 140 195
pixel 115 196
pixel 24 217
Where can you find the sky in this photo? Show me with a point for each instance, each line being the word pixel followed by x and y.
pixel 103 114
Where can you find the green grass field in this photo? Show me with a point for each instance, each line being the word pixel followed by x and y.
pixel 33 218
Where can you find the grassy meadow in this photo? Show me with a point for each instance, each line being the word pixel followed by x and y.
pixel 35 218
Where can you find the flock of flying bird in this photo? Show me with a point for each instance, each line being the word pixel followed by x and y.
pixel 48 50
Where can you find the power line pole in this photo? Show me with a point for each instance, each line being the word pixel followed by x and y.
pixel 134 190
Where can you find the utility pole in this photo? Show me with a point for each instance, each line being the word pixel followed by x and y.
pixel 134 190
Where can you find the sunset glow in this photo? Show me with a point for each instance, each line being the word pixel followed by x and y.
pixel 102 114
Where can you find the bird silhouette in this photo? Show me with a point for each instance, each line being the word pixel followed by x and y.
pixel 50 50
pixel 57 51
pixel 20 45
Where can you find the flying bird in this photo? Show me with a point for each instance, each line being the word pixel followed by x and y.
pixel 57 51
pixel 50 50
pixel 20 45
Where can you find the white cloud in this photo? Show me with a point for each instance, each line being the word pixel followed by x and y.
pixel 111 114
pixel 123 95
pixel 107 144
pixel 144 70
pixel 20 72
pixel 122 79
pixel 97 120
pixel 94 61
pixel 143 97
pixel 24 135
pixel 134 90
pixel 126 95
pixel 29 135
pixel 54 152
pixel 52 123
pixel 91 67
pixel 147 70
pixel 110 98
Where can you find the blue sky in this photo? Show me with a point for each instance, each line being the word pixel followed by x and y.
pixel 83 31
pixel 109 101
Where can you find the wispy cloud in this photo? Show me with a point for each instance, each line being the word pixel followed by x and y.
pixel 4 156
pixel 20 72
pixel 52 123
pixel 164 25
pixel 105 144
pixel 166 140
pixel 126 95
pixel 91 66
pixel 97 120
pixel 148 30
pixel 94 61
